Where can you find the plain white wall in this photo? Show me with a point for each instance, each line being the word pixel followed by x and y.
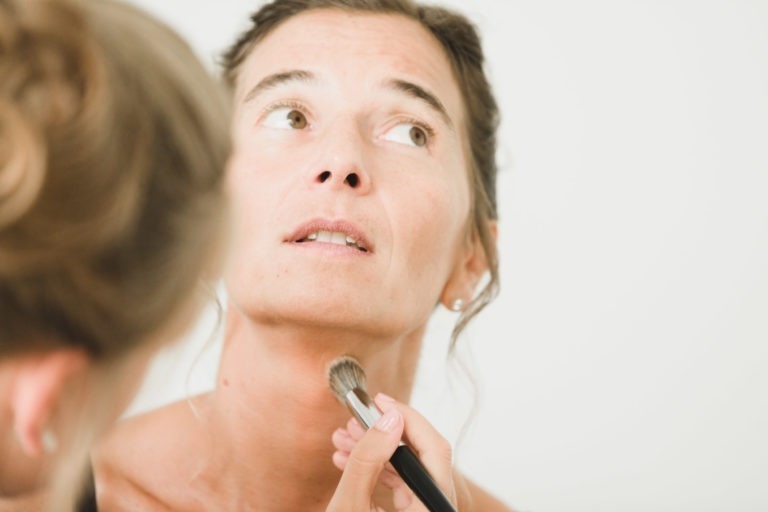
pixel 623 366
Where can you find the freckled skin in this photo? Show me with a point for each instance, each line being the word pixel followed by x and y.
pixel 412 202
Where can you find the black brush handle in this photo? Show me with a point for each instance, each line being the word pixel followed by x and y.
pixel 416 476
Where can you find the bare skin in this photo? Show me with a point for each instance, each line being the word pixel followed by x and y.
pixel 331 144
pixel 56 390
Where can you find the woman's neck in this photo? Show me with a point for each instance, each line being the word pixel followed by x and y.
pixel 272 414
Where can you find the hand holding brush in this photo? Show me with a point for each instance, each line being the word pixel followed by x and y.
pixel 359 451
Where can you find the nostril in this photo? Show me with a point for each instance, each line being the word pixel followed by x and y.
pixel 324 176
pixel 352 179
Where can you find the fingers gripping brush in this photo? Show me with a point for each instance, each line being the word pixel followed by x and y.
pixel 347 380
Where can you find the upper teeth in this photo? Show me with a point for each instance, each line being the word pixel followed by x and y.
pixel 332 237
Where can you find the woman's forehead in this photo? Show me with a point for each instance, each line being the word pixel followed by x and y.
pixel 357 49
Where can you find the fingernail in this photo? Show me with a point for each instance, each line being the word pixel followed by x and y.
pixel 342 432
pixel 388 421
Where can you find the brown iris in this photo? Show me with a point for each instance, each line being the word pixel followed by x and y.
pixel 297 119
pixel 418 136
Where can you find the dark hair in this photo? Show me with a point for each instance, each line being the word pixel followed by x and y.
pixel 461 42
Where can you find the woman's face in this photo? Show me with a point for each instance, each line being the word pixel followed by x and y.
pixel 349 182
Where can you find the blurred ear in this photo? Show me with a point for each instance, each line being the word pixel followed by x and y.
pixel 468 271
pixel 37 387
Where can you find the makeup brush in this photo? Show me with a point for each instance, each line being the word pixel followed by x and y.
pixel 347 380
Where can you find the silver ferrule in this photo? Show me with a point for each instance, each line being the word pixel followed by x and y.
pixel 362 407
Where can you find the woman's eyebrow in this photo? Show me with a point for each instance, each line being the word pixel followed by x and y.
pixel 275 79
pixel 420 93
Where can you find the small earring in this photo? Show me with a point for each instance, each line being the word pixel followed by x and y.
pixel 49 442
pixel 457 305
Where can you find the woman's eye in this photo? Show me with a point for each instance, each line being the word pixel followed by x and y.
pixel 286 118
pixel 409 134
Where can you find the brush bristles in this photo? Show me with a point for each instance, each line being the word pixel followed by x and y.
pixel 344 375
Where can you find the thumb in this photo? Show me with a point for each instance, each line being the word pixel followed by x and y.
pixel 365 463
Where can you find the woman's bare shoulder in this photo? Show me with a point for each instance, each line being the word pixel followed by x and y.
pixel 26 503
pixel 140 462
pixel 118 493
pixel 135 441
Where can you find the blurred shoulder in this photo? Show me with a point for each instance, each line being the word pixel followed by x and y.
pixel 27 503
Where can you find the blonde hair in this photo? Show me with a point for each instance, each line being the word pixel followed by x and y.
pixel 113 143
pixel 114 140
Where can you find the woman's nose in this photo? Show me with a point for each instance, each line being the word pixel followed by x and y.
pixel 351 179
pixel 343 160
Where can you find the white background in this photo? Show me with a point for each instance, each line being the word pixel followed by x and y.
pixel 623 367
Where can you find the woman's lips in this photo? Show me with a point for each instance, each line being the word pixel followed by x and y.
pixel 332 237
pixel 339 232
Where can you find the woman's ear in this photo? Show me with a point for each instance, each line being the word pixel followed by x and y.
pixel 467 273
pixel 36 389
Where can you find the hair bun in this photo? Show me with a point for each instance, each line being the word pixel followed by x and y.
pixel 22 164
